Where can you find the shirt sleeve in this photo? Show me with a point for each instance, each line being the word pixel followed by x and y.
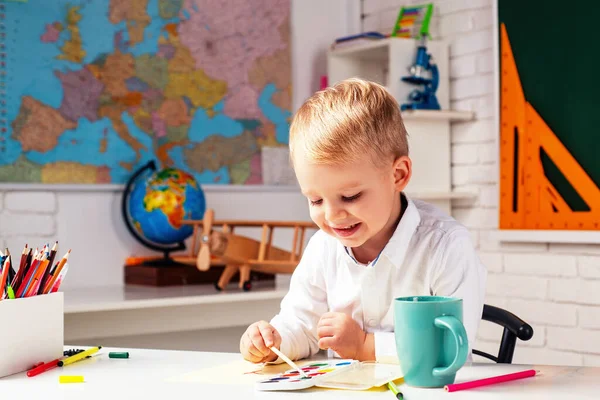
pixel 459 273
pixel 304 303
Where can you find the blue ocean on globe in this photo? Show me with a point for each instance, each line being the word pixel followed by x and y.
pixel 158 204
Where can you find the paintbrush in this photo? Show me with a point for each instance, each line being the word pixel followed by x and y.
pixel 287 360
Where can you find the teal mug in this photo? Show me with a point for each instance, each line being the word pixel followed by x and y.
pixel 431 340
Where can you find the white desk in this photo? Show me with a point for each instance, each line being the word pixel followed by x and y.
pixel 145 376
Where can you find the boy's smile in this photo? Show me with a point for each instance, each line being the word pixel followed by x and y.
pixel 346 231
pixel 357 202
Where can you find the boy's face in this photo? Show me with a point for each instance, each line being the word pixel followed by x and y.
pixel 353 202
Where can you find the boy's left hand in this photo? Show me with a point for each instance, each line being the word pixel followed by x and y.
pixel 340 333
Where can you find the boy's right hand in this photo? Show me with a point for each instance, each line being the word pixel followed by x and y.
pixel 256 342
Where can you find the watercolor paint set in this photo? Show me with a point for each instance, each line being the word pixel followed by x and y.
pixel 334 374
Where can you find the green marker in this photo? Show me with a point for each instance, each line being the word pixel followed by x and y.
pixel 392 386
pixel 114 354
pixel 10 291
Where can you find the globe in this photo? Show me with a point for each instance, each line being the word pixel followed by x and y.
pixel 155 206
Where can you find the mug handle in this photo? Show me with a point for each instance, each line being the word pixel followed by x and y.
pixel 460 337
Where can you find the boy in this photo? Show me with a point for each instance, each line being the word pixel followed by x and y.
pixel 349 150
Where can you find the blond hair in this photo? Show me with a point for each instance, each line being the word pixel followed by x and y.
pixel 338 124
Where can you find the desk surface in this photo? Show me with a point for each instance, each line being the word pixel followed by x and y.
pixel 183 374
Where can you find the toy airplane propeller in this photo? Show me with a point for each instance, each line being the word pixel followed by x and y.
pixel 203 260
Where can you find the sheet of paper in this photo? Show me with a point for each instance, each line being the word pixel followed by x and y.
pixel 239 372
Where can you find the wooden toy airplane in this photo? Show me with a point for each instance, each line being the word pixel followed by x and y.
pixel 236 252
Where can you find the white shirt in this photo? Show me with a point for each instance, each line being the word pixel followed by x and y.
pixel 429 253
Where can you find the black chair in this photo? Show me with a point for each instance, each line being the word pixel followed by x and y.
pixel 514 327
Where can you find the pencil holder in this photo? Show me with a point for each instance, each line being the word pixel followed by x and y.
pixel 32 331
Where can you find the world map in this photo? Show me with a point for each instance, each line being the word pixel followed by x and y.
pixel 94 89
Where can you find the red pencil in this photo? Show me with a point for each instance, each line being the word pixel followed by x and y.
pixel 23 266
pixel 490 381
pixel 25 284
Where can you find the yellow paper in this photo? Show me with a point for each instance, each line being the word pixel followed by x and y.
pixel 240 372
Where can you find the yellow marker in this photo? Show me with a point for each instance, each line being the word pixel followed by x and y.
pixel 79 356
pixel 70 379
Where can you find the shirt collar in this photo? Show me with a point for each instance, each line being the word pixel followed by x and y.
pixel 395 249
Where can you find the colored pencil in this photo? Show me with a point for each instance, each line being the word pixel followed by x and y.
pixel 46 275
pixel 4 276
pixel 60 278
pixel 490 381
pixel 37 273
pixel 22 267
pixel 11 271
pixel 34 287
pixel 26 283
pixel 56 273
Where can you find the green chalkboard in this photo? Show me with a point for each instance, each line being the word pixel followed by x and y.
pixel 556 45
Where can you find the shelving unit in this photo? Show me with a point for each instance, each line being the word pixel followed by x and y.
pixel 386 61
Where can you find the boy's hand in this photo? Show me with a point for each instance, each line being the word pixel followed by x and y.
pixel 339 332
pixel 256 342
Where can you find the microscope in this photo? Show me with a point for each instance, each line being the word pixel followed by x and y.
pixel 424 99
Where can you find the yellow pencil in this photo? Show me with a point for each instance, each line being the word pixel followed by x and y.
pixel 78 356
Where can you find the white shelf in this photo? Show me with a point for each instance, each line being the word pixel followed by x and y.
pixel 443 115
pixel 547 236
pixel 131 297
pixel 373 49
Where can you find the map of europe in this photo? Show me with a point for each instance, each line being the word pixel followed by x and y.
pixel 94 89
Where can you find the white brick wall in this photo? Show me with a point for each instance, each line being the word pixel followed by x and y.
pixel 19 224
pixel 27 217
pixel 556 287
pixel 34 202
pixel 589 267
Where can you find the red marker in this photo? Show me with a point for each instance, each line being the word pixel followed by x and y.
pixel 43 368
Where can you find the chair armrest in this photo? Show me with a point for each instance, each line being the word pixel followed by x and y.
pixel 508 320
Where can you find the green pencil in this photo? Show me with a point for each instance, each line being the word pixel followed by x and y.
pixel 392 386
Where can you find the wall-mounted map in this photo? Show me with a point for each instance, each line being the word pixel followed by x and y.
pixel 93 89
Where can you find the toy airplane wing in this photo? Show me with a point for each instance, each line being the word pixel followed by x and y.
pixel 231 248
